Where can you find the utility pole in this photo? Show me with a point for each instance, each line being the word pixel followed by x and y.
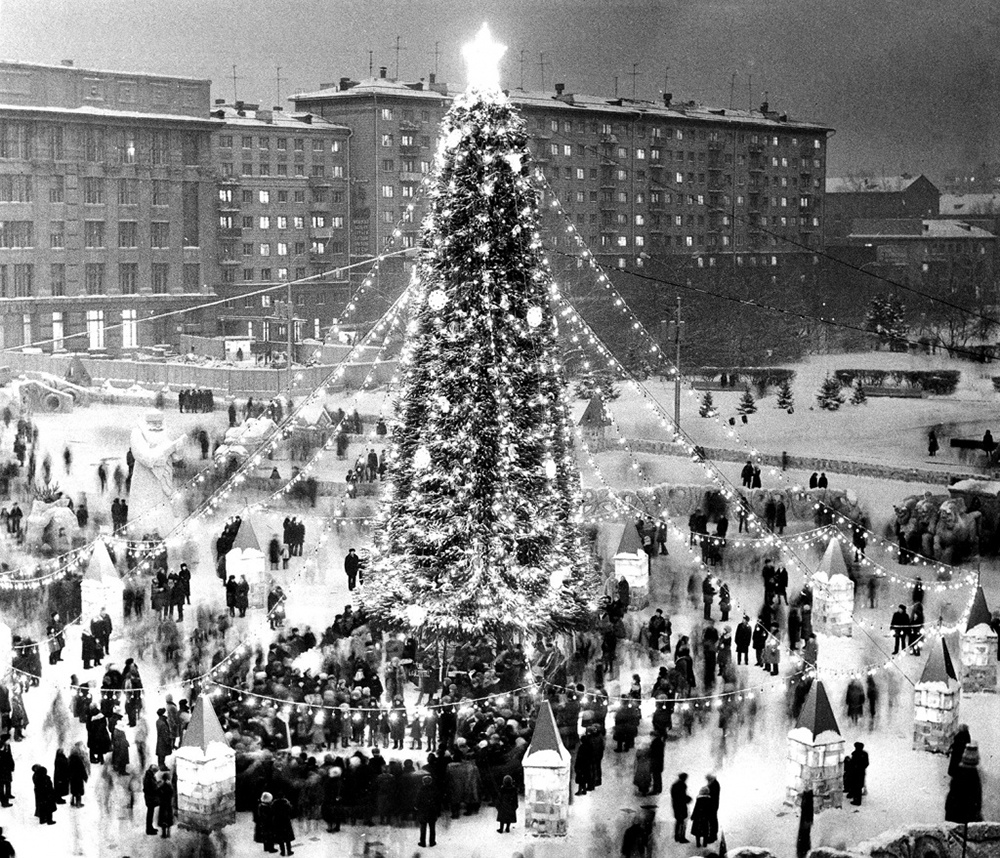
pixel 288 331
pixel 522 69
pixel 371 63
pixel 235 78
pixel 677 322
pixel 732 91
pixel 437 56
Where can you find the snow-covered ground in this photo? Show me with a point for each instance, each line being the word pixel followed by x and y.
pixel 903 785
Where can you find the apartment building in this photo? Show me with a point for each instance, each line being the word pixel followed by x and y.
pixel 107 207
pixel 638 179
pixel 283 199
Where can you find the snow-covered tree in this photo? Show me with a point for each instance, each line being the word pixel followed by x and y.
pixel 747 404
pixel 785 398
pixel 478 532
pixel 858 395
pixel 886 317
pixel 830 396
pixel 707 408
pixel 597 383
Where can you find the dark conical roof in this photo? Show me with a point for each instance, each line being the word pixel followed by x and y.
pixel 630 542
pixel 545 736
pixel 939 667
pixel 980 612
pixel 817 714
pixel 594 414
pixel 247 536
pixel 204 727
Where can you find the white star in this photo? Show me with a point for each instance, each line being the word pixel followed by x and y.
pixel 483 58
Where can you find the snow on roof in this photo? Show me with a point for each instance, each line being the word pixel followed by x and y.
pixel 247 536
pixel 545 738
pixel 970 204
pixel 578 102
pixel 916 228
pixel 104 112
pixel 312 414
pixel 817 714
pixel 299 120
pixel 204 727
pixel 975 486
pixel 939 667
pixel 870 184
pixel 112 72
pixel 979 613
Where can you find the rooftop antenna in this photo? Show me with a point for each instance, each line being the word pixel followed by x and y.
pixel 235 78
pixel 399 48
pixel 666 80
pixel 634 74
pixel 371 63
pixel 437 56
pixel 278 81
pixel 732 90
pixel 616 86
pixel 750 92
pixel 542 63
pixel 522 68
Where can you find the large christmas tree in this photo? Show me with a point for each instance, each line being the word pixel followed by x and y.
pixel 477 533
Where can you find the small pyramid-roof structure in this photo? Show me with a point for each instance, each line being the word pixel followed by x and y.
pixel 939 667
pixel 77 373
pixel 593 415
pixel 817 714
pixel 980 612
pixel 545 736
pixel 204 727
pixel 247 536
pixel 100 565
pixel 630 543
pixel 833 562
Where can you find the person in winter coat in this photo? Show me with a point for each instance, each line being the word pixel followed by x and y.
pixel 900 626
pixel 759 639
pixel 642 776
pixel 772 652
pixel 6 770
pixel 679 801
pixel 119 752
pixel 428 809
pixel 780 516
pixel 507 804
pixel 855 767
pixel 584 766
pixel 232 589
pixel 742 640
pixel 855 701
pixel 281 820
pixel 958 745
pixel 45 795
pixel 263 822
pixel 165 805
pixel 464 786
pixel 60 776
pixel 635 843
pixel 164 737
pixel 932 443
pixel 701 817
pixel 657 747
pixel 964 802
pixel 331 809
pixel 98 738
pixel 78 772
pixel 151 795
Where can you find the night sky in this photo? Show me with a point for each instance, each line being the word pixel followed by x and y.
pixel 908 84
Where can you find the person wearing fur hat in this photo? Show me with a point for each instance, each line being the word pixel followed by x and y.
pixel 507 805
pixel 263 822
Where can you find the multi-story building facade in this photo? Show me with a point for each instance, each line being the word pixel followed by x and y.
pixel 283 199
pixel 866 198
pixel 107 207
pixel 693 188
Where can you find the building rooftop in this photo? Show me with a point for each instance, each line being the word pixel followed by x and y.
pixel 970 204
pixel 253 116
pixel 913 228
pixel 102 112
pixel 69 65
pixel 871 184
pixel 572 102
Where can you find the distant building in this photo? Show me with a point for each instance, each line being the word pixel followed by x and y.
pixel 919 247
pixel 853 199
pixel 981 210
pixel 283 200
pixel 107 206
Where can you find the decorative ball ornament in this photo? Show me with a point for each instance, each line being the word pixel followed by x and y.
pixel 443 404
pixel 534 317
pixel 422 458
pixel 437 300
pixel 557 578
pixel 550 468
pixel 415 615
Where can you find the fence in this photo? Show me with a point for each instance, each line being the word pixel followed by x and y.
pixel 235 381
